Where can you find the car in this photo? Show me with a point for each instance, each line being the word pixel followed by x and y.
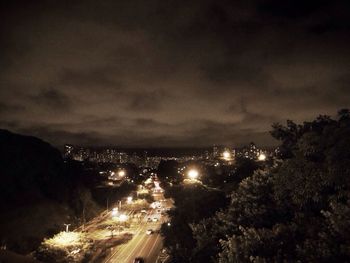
pixel 149 232
pixel 139 260
pixel 155 219
pixel 149 219
pixel 143 211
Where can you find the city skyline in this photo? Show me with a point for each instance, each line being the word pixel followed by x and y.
pixel 169 131
pixel 170 74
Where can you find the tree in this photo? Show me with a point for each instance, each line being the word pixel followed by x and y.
pixel 301 212
pixel 193 203
pixel 298 211
pixel 167 171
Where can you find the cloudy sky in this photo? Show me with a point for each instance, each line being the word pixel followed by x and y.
pixel 170 73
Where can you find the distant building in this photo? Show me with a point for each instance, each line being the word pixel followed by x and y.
pixel 122 157
pixel 251 152
pixel 145 159
pixel 215 151
pixel 68 151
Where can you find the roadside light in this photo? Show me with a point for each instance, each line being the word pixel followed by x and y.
pixel 123 218
pixel 262 157
pixel 193 174
pixel 129 199
pixel 121 173
pixel 67 227
pixel 226 155
pixel 169 224
pixel 115 211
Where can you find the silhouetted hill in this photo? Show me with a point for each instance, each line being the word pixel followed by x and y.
pixel 39 192
pixel 30 169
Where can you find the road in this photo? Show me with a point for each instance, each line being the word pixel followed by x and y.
pixel 142 244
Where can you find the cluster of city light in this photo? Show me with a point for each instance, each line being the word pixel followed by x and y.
pixel 149 181
pixel 142 190
pixel 155 204
pixel 116 176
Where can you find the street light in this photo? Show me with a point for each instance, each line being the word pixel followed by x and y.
pixel 67 227
pixel 115 211
pixel 193 174
pixel 129 199
pixel 121 173
pixel 123 217
pixel 262 157
pixel 226 155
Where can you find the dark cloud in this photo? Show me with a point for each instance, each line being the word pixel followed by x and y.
pixel 60 137
pixel 146 101
pixel 146 122
pixel 177 73
pixel 10 108
pixel 52 99
pixel 343 84
pixel 250 118
pixel 89 78
pixel 233 73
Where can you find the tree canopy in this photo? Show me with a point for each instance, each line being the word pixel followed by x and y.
pixel 295 211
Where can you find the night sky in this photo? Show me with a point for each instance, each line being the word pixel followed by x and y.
pixel 170 73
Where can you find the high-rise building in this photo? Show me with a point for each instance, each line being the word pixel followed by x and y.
pixel 206 155
pixel 68 151
pixel 215 151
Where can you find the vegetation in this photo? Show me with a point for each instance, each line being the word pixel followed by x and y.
pixel 296 211
pixel 63 247
pixel 168 172
pixel 193 202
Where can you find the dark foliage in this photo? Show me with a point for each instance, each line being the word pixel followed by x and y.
pixel 167 171
pixel 297 211
pixel 193 203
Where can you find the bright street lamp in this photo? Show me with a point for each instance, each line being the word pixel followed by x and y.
pixel 114 211
pixel 123 217
pixel 262 157
pixel 129 199
pixel 226 155
pixel 193 174
pixel 121 173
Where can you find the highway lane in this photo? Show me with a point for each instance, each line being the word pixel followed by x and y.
pixel 141 245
